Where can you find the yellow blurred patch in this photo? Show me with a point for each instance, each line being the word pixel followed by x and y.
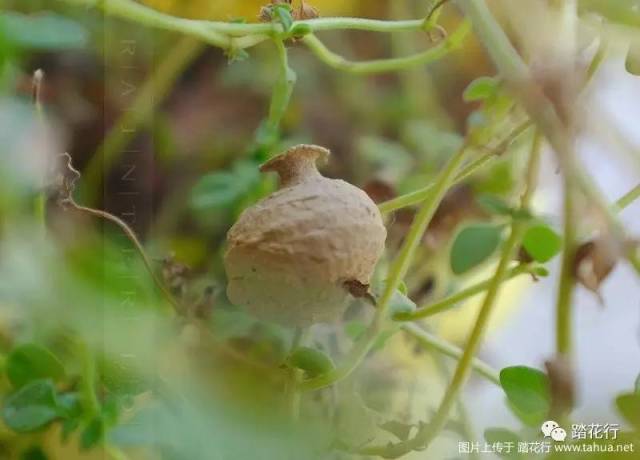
pixel 456 324
pixel 228 10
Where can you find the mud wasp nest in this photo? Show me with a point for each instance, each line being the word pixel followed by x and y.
pixel 291 254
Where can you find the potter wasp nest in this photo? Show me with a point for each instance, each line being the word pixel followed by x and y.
pixel 291 254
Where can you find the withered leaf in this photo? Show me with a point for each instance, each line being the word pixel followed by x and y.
pixel 562 386
pixel 593 262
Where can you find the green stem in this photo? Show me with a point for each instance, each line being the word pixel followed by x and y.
pixel 88 382
pixel 628 198
pixel 269 132
pixel 428 432
pixel 227 34
pixel 141 14
pixel 540 108
pixel 422 219
pixel 292 394
pixel 431 341
pixel 396 274
pixel 422 194
pixel 435 53
pixel 495 40
pixel 152 93
pixel 40 201
pixel 567 281
pixel 131 236
pixel 453 300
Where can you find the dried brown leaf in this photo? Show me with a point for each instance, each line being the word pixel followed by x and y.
pixel 593 262
pixel 562 386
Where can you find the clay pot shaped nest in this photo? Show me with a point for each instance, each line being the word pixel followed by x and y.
pixel 290 254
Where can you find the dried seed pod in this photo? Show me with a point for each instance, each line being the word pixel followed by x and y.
pixel 290 254
pixel 594 261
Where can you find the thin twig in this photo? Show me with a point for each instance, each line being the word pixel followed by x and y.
pixel 268 133
pixel 429 340
pixel 628 198
pixel 453 300
pixel 428 432
pixel 435 8
pixel 40 201
pixel 131 236
pixel 435 53
pixel 420 195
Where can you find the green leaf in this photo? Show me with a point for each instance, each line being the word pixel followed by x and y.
pixel 220 190
pixel 473 245
pixel 354 329
pixel 282 12
pixel 92 434
pixel 401 305
pixel 628 405
pixel 495 205
pixel 29 362
pixel 541 272
pixel 47 31
pixel 34 453
pixel 527 390
pixel 637 385
pixel 310 360
pixel 503 435
pixel 122 375
pixel 498 206
pixel 31 407
pixel 481 89
pixel 69 405
pixel 68 427
pixel 542 243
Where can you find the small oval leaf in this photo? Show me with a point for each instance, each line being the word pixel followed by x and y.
pixel 542 243
pixel 31 407
pixel 528 391
pixel 310 360
pixel 29 362
pixel 401 305
pixel 480 89
pixel 473 245
pixel 495 205
pixel 220 190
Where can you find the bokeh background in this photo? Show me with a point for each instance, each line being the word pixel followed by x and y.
pixel 164 133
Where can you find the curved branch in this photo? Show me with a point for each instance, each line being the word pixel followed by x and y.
pixel 428 340
pixel 453 300
pixel 227 34
pixel 435 53
pixel 420 195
